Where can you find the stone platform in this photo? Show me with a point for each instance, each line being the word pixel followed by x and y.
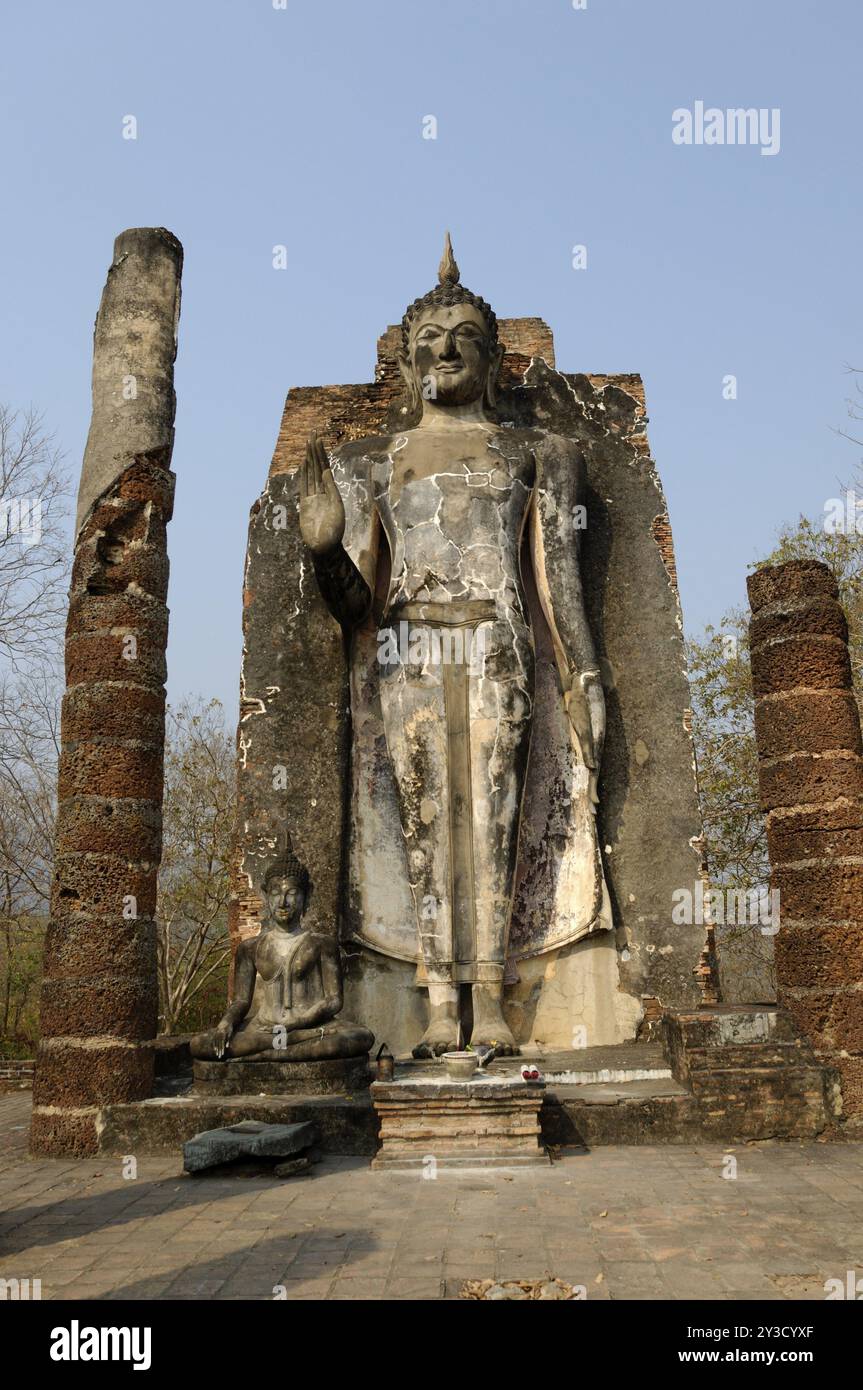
pixel 750 1072
pixel 724 1074
pixel 237 1077
pixel 345 1124
pixel 730 1073
pixel 486 1123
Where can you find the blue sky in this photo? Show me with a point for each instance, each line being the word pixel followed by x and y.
pixel 303 126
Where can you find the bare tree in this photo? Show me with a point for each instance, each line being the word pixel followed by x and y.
pixel 34 558
pixel 29 741
pixel 854 404
pixel 29 750
pixel 34 543
pixel 198 817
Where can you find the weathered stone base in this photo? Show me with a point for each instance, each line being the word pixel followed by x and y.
pixel 738 1074
pixel 632 1114
pixel 62 1132
pixel 466 1123
pixel 245 1078
pixel 345 1125
pixel 750 1073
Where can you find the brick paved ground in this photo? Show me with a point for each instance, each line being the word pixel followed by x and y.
pixel 625 1222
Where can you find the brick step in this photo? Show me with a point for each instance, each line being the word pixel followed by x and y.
pixel 634 1056
pixel 783 1054
pixel 728 1025
pixel 612 1093
pixel 755 1084
pixel 769 1103
pixel 576 1118
pixel 749 1073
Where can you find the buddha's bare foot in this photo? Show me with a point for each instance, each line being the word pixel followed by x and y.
pixel 440 1036
pixel 489 1028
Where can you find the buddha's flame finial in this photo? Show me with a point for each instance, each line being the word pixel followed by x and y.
pixel 447 292
pixel 448 271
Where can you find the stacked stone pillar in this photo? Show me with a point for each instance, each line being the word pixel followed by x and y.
pixel 811 783
pixel 99 994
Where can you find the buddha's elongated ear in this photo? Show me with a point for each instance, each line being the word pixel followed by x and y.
pixel 493 373
pixel 414 400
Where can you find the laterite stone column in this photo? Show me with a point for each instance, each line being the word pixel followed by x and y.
pixel 99 993
pixel 807 728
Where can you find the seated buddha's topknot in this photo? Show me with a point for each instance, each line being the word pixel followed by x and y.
pixel 288 866
pixel 448 291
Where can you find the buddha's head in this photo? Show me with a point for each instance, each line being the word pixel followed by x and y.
pixel 286 890
pixel 450 351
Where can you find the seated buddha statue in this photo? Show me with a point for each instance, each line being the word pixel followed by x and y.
pixel 287 986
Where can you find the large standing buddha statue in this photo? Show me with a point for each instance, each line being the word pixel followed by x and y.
pixel 434 562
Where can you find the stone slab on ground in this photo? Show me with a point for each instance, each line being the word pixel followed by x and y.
pixel 335 1076
pixel 247 1139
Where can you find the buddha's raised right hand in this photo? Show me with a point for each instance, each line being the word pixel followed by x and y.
pixel 322 511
